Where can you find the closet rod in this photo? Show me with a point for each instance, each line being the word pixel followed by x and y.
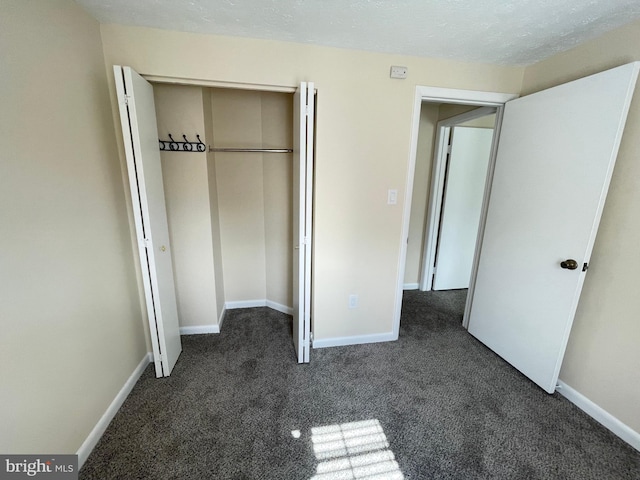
pixel 252 150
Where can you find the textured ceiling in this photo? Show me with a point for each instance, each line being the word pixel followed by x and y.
pixel 515 32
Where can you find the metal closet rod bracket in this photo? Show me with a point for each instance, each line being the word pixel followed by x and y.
pixel 186 146
pixel 251 150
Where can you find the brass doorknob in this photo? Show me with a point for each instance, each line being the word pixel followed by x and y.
pixel 569 264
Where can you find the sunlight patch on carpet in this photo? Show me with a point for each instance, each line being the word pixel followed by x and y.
pixel 355 450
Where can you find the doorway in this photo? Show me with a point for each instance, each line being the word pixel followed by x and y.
pixel 427 102
pixel 548 179
pixel 454 148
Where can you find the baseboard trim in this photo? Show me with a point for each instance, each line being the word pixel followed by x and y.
pixel 94 436
pixel 279 307
pixel 259 303
pixel 622 430
pixel 199 329
pixel 245 304
pixel 354 340
pixel 410 286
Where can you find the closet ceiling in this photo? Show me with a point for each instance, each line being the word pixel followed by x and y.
pixel 509 32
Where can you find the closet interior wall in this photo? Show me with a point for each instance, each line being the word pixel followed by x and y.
pixel 229 214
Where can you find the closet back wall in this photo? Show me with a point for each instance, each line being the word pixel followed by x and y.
pixel 254 194
pixel 179 111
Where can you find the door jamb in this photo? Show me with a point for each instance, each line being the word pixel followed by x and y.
pixel 430 239
pixel 445 95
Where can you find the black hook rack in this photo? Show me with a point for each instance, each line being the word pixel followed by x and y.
pixel 186 146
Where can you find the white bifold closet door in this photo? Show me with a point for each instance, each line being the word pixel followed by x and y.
pixel 303 129
pixel 462 206
pixel 138 120
pixel 553 166
pixel 140 136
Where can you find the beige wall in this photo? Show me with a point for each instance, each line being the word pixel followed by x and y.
pixel 277 132
pixel 237 122
pixel 214 208
pixel 254 193
pixel 179 110
pixel 70 311
pixel 603 355
pixel 421 187
pixel 362 147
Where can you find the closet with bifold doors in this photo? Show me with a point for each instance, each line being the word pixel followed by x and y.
pixel 221 184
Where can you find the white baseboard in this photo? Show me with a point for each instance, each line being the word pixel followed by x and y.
pixel 94 436
pixel 410 286
pixel 245 304
pixel 354 340
pixel 259 303
pixel 279 307
pixel 199 329
pixel 622 430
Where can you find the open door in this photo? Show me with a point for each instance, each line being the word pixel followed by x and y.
pixel 140 135
pixel 554 162
pixel 303 127
pixel 462 206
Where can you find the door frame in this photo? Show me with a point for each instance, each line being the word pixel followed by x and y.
pixel 436 191
pixel 455 96
pixel 205 83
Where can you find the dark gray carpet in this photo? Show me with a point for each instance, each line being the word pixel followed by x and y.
pixel 448 406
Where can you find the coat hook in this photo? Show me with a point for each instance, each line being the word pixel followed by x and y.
pixel 187 145
pixel 173 145
pixel 200 146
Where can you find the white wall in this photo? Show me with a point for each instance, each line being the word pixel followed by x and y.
pixel 70 312
pixel 179 110
pixel 603 355
pixel 362 147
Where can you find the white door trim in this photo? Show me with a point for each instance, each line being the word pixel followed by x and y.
pixel 442 95
pixel 434 204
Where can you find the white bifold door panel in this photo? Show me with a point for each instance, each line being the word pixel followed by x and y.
pixel 303 128
pixel 462 206
pixel 140 135
pixel 553 166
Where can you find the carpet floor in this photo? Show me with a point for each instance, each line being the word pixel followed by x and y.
pixel 436 404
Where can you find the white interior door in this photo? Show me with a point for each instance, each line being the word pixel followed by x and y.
pixel 140 135
pixel 462 206
pixel 303 116
pixel 554 162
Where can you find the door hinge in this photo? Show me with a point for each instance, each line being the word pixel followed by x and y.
pixel 449 149
pixel 126 99
pixel 307 110
pixel 145 242
pixel 585 267
pixel 305 241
